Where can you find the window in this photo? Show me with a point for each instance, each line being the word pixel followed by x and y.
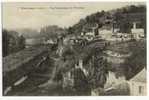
pixel 140 89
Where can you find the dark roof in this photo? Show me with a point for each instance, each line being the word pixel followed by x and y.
pixel 140 77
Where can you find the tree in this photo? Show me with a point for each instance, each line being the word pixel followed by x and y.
pixel 52 32
pixel 5 42
pixel 12 42
pixel 100 71
pixel 81 83
pixel 125 26
pixel 21 42
pixel 97 66
pixel 70 30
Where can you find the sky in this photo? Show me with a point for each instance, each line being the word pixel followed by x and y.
pixel 37 15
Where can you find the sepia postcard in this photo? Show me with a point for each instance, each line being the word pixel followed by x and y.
pixel 74 49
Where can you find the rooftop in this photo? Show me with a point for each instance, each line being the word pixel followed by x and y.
pixel 140 77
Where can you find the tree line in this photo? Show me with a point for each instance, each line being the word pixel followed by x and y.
pixel 116 15
pixel 12 42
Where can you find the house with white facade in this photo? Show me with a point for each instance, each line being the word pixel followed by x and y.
pixel 137 32
pixel 138 84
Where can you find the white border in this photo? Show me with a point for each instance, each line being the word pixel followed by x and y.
pixel 71 97
pixel 74 0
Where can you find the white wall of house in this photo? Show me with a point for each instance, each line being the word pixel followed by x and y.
pixel 105 34
pixel 116 30
pixel 138 84
pixel 137 32
pixel 137 88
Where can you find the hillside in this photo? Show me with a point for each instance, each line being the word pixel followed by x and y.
pixel 107 18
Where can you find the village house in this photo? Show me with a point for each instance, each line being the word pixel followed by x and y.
pixel 113 31
pixel 89 31
pixel 137 32
pixel 118 31
pixel 138 85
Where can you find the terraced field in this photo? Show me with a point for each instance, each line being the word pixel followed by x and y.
pixel 132 64
pixel 24 62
